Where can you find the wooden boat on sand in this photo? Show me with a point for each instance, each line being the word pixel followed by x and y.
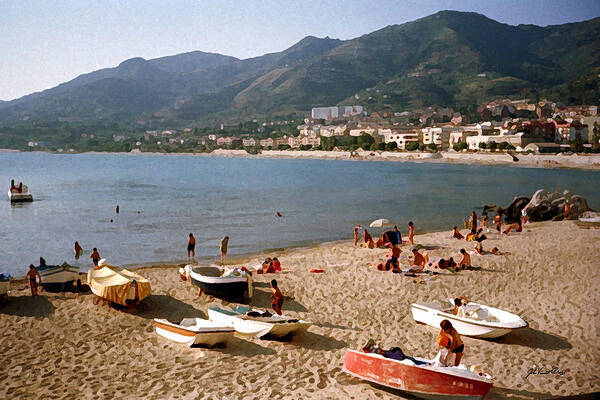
pixel 425 381
pixel 118 285
pixel 480 321
pixel 57 278
pixel 192 331
pixel 230 284
pixel 256 322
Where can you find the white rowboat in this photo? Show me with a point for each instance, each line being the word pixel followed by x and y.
pixel 276 326
pixel 194 331
pixel 481 321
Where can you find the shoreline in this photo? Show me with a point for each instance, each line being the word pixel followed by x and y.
pixel 574 161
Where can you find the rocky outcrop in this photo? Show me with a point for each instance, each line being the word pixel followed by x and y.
pixel 546 206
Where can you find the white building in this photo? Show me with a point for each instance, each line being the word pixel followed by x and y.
pixel 401 139
pixel 512 138
pixel 359 131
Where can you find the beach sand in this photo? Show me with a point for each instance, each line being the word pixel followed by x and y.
pixel 62 346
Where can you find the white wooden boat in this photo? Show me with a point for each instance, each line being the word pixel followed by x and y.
pixel 230 284
pixel 256 322
pixel 425 380
pixel 480 320
pixel 57 278
pixel 24 196
pixel 192 331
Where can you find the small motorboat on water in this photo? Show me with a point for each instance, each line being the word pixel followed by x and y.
pixel 118 285
pixel 425 380
pixel 192 331
pixel 230 284
pixel 257 323
pixel 21 196
pixel 480 321
pixel 57 278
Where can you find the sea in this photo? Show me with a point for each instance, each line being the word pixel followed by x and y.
pixel 163 198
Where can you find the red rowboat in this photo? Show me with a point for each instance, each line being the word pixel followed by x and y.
pixel 425 381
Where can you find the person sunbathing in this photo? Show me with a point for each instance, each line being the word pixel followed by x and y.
pixel 267 267
pixel 456 234
pixel 393 256
pixel 465 261
pixel 451 264
pixel 394 353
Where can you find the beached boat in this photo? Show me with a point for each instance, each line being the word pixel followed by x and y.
pixel 57 278
pixel 230 284
pixel 480 320
pixel 118 285
pixel 257 323
pixel 425 381
pixel 22 197
pixel 192 331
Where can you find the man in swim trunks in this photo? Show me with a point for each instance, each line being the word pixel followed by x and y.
pixel 95 256
pixel 191 246
pixel 277 297
pixel 32 274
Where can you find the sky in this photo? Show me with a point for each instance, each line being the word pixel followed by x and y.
pixel 47 42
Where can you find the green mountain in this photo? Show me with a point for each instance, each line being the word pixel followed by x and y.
pixel 453 59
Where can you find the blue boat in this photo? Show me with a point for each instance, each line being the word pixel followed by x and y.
pixel 58 278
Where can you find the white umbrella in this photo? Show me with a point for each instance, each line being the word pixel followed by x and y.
pixel 380 223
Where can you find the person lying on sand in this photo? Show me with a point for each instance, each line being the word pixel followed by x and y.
pixel 465 261
pixel 277 297
pixel 456 234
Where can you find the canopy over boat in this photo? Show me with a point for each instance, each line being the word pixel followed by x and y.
pixel 117 284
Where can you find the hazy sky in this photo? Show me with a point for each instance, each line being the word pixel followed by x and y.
pixel 46 42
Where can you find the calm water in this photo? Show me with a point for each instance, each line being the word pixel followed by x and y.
pixel 212 197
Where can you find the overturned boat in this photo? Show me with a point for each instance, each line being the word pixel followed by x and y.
pixel 425 380
pixel 257 323
pixel 193 331
pixel 58 278
pixel 230 284
pixel 479 321
pixel 118 285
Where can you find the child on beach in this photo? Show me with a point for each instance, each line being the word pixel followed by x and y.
pixel 411 232
pixel 277 297
pixel 32 274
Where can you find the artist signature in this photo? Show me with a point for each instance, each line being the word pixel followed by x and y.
pixel 544 371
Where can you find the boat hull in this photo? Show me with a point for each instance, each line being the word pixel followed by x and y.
pixel 421 381
pixel 19 197
pixel 255 328
pixel 237 290
pixel 189 337
pixel 58 278
pixel 472 328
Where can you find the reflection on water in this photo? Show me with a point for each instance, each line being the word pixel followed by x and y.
pixel 163 199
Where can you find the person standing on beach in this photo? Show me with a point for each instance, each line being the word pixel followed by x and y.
pixel 77 250
pixel 224 244
pixel 277 297
pixel 356 236
pixel 33 276
pixel 498 222
pixel 474 220
pixel 455 344
pixel 95 256
pixel 411 232
pixel 398 235
pixel 191 246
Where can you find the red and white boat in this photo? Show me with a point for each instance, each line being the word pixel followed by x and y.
pixel 424 381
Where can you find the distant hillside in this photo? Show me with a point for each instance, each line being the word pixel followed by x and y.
pixel 451 58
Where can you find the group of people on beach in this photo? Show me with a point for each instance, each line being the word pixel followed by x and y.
pixel 393 237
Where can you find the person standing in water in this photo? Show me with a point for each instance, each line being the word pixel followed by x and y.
pixel 191 246
pixel 117 209
pixel 95 256
pixel 33 276
pixel 77 250
pixel 224 244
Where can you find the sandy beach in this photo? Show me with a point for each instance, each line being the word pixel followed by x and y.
pixel 62 346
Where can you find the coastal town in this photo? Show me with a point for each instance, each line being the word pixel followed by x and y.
pixel 502 125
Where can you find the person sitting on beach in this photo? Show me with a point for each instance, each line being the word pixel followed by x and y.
pixel 419 259
pixel 277 297
pixel 95 256
pixel 451 264
pixel 517 226
pixel 77 250
pixel 411 232
pixel 455 344
pixel 471 235
pixel 276 265
pixel 456 234
pixel 33 276
pixel 368 240
pixel 498 222
pixel 382 240
pixel 398 235
pixel 465 261
pixel 267 267
pixel 393 256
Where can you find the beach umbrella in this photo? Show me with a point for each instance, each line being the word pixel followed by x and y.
pixel 380 223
